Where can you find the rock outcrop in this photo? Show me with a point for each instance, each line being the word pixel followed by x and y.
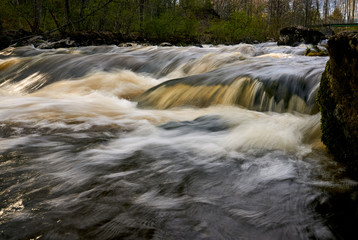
pixel 293 36
pixel 338 99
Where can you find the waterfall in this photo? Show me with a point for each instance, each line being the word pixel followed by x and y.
pixel 261 84
pixel 257 78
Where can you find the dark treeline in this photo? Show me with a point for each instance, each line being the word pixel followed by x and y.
pixel 216 21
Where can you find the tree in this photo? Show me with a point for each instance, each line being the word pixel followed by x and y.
pixel 336 16
pixel 326 10
pixel 37 8
pixel 68 14
pixel 278 10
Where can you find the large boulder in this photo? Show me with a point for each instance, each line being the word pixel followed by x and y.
pixel 338 99
pixel 293 36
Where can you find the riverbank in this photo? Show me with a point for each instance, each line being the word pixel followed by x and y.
pixel 95 38
pixel 290 36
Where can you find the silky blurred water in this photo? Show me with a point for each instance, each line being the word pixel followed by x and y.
pixel 219 142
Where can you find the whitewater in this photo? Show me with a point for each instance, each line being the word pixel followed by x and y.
pixel 147 142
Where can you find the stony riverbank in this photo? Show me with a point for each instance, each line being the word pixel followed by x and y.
pixel 90 38
pixel 292 36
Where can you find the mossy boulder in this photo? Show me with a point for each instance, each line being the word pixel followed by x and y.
pixel 316 50
pixel 338 99
pixel 293 36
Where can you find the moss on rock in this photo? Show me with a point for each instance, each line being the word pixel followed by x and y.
pixel 315 51
pixel 338 99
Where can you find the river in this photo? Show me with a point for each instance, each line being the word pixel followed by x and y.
pixel 146 142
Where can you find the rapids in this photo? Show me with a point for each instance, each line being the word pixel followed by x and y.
pixel 219 142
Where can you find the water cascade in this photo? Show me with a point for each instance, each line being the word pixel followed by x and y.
pixel 264 83
pixel 146 142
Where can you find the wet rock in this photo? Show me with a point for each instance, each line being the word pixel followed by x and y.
pixel 63 43
pixel 165 44
pixel 129 44
pixel 36 41
pixel 338 99
pixel 327 31
pixel 316 50
pixel 88 38
pixel 293 36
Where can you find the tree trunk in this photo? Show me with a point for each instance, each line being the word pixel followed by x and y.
pixel 80 24
pixel 317 12
pixel 68 15
pixel 141 15
pixel 325 11
pixel 37 8
pixel 353 10
pixel 55 20
pixel 308 6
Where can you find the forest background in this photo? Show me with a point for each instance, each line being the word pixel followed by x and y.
pixel 197 21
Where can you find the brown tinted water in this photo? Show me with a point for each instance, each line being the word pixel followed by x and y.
pixel 167 143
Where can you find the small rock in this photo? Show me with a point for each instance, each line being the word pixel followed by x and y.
pixel 63 43
pixel 316 50
pixel 128 44
pixel 165 44
pixel 34 39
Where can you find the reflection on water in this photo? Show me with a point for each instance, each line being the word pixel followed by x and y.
pixel 167 143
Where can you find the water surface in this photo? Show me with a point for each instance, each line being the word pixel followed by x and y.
pixel 167 143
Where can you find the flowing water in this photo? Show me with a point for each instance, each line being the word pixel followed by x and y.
pixel 219 142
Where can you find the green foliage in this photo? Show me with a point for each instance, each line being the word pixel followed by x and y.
pixel 175 26
pixel 160 27
pixel 240 27
pixel 184 21
pixel 189 27
pixel 10 17
pixel 218 31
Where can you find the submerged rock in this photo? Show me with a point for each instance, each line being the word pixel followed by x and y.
pixel 293 36
pixel 338 99
pixel 165 44
pixel 315 50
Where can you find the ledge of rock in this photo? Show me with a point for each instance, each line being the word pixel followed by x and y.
pixel 293 36
pixel 338 99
